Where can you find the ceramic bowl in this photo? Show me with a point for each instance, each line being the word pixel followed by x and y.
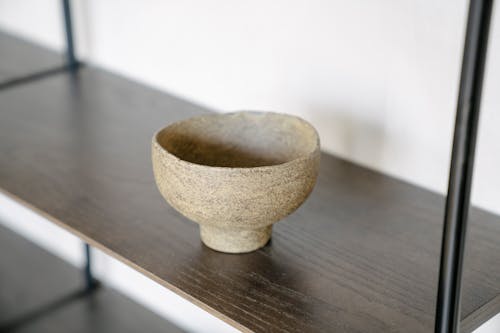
pixel 236 173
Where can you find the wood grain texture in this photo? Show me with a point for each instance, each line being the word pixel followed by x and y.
pixel 19 58
pixel 361 255
pixel 41 293
pixel 476 319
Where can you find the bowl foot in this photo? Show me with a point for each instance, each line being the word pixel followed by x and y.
pixel 235 240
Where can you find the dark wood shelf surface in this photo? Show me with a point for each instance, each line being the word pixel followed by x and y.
pixel 41 293
pixel 361 255
pixel 19 58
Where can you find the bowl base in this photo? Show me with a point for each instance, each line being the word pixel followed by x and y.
pixel 235 240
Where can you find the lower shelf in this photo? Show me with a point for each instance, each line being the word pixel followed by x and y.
pixel 41 293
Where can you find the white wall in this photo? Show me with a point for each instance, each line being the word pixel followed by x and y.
pixel 378 79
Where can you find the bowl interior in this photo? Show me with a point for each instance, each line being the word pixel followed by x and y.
pixel 239 140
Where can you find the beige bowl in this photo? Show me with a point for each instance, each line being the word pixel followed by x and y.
pixel 236 174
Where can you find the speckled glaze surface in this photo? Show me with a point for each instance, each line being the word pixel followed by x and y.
pixel 236 173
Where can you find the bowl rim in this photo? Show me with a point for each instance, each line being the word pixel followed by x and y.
pixel 304 157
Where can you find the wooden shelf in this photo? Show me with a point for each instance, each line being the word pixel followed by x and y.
pixel 19 59
pixel 55 300
pixel 361 255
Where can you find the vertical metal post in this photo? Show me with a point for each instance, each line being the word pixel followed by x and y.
pixel 462 162
pixel 90 282
pixel 68 27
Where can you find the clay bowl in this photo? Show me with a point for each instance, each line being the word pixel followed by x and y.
pixel 236 173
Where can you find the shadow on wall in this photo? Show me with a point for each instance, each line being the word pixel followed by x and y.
pixel 351 134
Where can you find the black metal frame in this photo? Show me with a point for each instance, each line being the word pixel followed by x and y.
pixel 462 162
pixel 73 63
pixel 68 29
pixel 90 282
